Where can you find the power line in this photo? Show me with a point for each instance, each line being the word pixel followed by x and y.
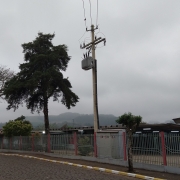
pixel 87 39
pixel 99 32
pixel 82 36
pixel 84 14
pixel 90 10
pixel 97 15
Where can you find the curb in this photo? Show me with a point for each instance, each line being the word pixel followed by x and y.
pixel 88 167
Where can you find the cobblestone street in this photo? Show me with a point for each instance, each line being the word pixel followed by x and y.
pixel 19 168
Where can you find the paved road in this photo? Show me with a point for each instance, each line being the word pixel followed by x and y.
pixel 19 168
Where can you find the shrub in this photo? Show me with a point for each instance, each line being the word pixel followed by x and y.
pixel 84 146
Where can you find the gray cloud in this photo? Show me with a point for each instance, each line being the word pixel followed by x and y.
pixel 138 69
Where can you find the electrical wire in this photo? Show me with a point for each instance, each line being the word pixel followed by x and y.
pixel 100 33
pixel 87 39
pixel 97 15
pixel 90 10
pixel 82 36
pixel 84 14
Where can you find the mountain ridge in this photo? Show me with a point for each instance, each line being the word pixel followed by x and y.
pixel 74 119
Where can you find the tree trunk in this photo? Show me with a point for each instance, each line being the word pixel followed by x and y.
pixel 46 117
pixel 130 156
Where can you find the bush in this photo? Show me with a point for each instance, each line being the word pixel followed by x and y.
pixel 17 127
pixel 84 146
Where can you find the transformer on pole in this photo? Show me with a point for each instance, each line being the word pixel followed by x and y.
pixel 91 63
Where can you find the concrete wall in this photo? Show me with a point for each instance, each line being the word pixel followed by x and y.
pixel 110 145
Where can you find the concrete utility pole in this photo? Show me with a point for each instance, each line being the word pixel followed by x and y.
pixel 91 46
pixel 94 80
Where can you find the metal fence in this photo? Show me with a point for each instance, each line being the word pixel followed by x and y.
pixel 157 148
pixel 151 148
pixel 73 144
pixel 85 145
pixel 172 145
pixel 147 148
pixel 25 143
pixel 62 144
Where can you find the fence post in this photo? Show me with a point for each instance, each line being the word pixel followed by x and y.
pixel 124 146
pixel 32 142
pixel 95 145
pixel 163 145
pixel 49 143
pixel 2 143
pixel 20 139
pixel 75 143
pixel 11 143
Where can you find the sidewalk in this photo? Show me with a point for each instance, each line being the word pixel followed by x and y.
pixel 155 174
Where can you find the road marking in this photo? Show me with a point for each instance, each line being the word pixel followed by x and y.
pixel 88 167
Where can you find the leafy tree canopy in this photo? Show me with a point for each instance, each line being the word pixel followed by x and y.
pixel 40 78
pixel 5 75
pixel 130 121
pixel 17 127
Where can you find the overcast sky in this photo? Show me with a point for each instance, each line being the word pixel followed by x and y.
pixel 138 69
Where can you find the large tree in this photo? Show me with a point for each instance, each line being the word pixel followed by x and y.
pixel 5 75
pixel 18 127
pixel 131 122
pixel 40 78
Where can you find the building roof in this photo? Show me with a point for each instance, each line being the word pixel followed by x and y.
pixel 142 127
pixel 88 128
pixel 176 120
pixel 159 127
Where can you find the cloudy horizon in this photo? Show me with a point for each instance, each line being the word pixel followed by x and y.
pixel 137 70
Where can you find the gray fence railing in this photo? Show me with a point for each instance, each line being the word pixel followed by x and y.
pixel 148 148
pixel 152 148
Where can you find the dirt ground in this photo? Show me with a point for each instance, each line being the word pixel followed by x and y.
pixel 156 174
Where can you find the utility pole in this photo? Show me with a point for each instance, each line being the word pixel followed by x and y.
pixel 91 47
pixel 94 80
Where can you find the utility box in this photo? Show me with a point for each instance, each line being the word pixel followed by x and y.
pixel 110 144
pixel 87 63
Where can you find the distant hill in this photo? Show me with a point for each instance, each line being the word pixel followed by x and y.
pixel 73 119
